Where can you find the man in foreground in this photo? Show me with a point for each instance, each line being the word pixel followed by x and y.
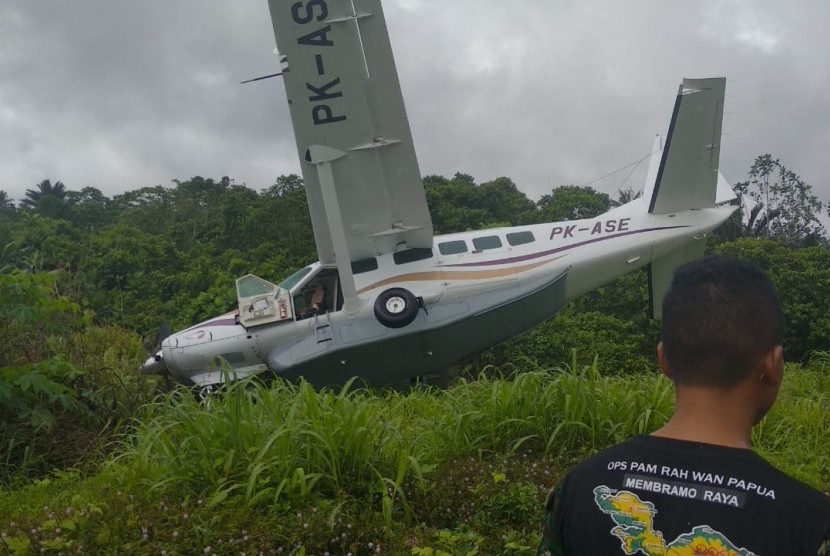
pixel 695 486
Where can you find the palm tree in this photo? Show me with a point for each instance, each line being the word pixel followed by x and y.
pixel 5 201
pixel 44 189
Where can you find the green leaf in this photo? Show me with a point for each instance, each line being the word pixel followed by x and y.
pixel 18 545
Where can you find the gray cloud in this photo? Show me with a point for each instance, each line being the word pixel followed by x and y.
pixel 120 95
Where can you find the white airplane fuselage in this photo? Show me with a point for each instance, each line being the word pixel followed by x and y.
pixel 390 300
pixel 474 290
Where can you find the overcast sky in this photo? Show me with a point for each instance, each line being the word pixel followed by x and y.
pixel 120 94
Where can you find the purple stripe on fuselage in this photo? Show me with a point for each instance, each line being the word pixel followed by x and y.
pixel 564 248
pixel 223 322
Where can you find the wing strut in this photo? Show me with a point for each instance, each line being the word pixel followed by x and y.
pixel 322 158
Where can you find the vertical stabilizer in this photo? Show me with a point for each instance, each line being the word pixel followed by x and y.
pixel 688 174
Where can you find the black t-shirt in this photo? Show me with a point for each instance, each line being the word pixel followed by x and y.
pixel 654 495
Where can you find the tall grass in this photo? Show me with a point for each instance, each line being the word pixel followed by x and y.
pixel 270 445
pixel 795 436
pixel 279 444
pixel 467 463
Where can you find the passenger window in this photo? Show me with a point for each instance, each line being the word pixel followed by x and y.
pixel 486 242
pixel 412 255
pixel 364 265
pixel 520 238
pixel 452 247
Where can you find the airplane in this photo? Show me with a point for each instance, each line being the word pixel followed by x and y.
pixel 388 300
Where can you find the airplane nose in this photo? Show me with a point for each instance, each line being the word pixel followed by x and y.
pixel 154 365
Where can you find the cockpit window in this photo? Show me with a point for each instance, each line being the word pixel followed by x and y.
pixel 250 286
pixel 294 279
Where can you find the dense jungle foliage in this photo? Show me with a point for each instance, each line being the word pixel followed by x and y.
pixel 96 458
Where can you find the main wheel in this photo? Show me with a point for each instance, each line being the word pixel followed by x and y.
pixel 396 307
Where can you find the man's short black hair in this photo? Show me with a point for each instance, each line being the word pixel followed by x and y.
pixel 720 316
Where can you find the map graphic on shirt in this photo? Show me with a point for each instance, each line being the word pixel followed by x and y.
pixel 634 526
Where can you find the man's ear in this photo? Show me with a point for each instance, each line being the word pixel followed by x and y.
pixel 772 367
pixel 767 377
pixel 661 360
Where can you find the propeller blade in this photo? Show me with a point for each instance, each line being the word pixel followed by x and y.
pixel 164 331
pixel 155 364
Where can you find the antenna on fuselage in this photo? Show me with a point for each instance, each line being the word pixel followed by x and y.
pixel 283 65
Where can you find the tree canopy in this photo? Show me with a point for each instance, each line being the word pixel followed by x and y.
pixel 777 204
pixel 172 253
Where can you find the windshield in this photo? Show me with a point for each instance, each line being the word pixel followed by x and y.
pixel 249 286
pixel 292 280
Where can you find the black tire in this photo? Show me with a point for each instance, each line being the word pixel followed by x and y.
pixel 396 307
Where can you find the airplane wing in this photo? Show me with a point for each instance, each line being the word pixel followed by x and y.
pixel 361 175
pixel 687 177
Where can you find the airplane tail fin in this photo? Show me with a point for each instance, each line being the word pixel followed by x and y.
pixel 683 173
pixel 661 270
pixel 687 176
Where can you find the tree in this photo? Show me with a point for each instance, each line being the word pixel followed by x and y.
pixel 506 204
pixel 150 209
pixel 89 208
pixel 572 202
pixel 5 201
pixel 42 243
pixel 130 273
pixel 455 205
pixel 802 278
pixel 778 205
pixel 44 189
pixel 47 199
pixel 281 216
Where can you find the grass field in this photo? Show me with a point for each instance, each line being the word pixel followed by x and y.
pixel 283 469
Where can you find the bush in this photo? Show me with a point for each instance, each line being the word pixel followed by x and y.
pixel 35 400
pixel 32 313
pixel 63 389
pixel 617 344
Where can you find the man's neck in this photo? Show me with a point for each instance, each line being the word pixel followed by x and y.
pixel 711 417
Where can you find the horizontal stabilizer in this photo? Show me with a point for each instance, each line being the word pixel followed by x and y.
pixel 661 271
pixel 725 192
pixel 688 174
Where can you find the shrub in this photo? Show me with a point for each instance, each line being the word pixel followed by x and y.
pixel 617 344
pixel 36 399
pixel 63 389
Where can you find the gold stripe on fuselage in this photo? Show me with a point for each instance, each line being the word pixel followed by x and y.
pixel 456 275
